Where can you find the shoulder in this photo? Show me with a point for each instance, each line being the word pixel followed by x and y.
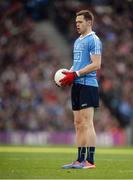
pixel 95 40
pixel 76 40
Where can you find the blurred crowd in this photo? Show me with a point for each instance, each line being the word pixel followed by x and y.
pixel 29 98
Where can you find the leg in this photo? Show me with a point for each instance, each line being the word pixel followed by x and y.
pixel 83 121
pixel 85 132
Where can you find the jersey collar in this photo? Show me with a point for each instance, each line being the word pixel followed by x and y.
pixel 92 32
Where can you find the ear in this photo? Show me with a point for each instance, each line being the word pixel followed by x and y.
pixel 89 23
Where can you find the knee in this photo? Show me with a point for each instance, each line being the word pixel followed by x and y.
pixel 87 120
pixel 77 121
pixel 80 123
pixel 83 122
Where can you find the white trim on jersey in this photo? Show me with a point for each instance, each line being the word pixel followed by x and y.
pixel 97 49
pixel 92 32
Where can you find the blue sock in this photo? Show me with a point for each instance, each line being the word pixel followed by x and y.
pixel 81 154
pixel 90 154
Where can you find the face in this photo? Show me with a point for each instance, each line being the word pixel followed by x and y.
pixel 82 25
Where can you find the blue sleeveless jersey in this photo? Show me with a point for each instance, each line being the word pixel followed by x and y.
pixel 83 49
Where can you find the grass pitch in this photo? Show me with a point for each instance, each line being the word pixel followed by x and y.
pixel 45 163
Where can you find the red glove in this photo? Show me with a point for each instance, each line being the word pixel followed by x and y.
pixel 68 79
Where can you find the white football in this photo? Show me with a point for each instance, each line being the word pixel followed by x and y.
pixel 59 75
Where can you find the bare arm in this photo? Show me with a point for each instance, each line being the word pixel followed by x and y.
pixel 96 64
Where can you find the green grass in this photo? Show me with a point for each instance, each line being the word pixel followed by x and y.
pixel 46 162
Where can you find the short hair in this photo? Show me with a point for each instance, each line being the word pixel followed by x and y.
pixel 87 15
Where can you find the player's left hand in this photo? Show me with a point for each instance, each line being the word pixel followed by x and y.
pixel 68 79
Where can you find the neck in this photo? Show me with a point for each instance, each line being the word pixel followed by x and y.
pixel 87 32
